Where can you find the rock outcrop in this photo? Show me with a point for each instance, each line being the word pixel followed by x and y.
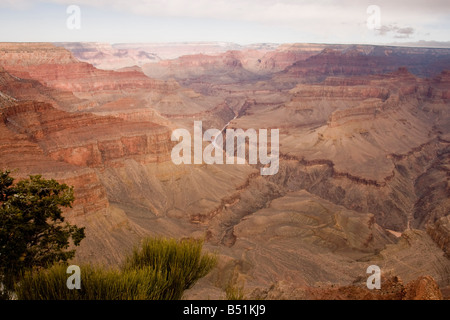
pixel 440 233
pixel 393 288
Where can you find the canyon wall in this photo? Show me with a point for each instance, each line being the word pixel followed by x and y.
pixel 364 140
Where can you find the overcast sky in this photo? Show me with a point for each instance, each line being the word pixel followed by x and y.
pixel 238 21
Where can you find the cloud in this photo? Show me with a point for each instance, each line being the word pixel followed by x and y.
pixel 16 4
pixel 396 32
pixel 259 10
pixel 299 20
pixel 404 32
pixel 308 18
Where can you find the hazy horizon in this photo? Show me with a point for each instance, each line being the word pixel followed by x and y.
pixel 418 44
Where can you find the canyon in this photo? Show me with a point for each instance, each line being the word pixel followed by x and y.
pixel 364 156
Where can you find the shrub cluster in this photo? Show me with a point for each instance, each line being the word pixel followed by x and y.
pixel 161 269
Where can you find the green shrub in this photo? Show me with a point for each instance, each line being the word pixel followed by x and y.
pixel 160 270
pixel 234 292
pixel 181 260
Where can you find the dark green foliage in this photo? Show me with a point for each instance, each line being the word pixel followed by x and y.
pixel 160 270
pixel 181 262
pixel 96 284
pixel 32 229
